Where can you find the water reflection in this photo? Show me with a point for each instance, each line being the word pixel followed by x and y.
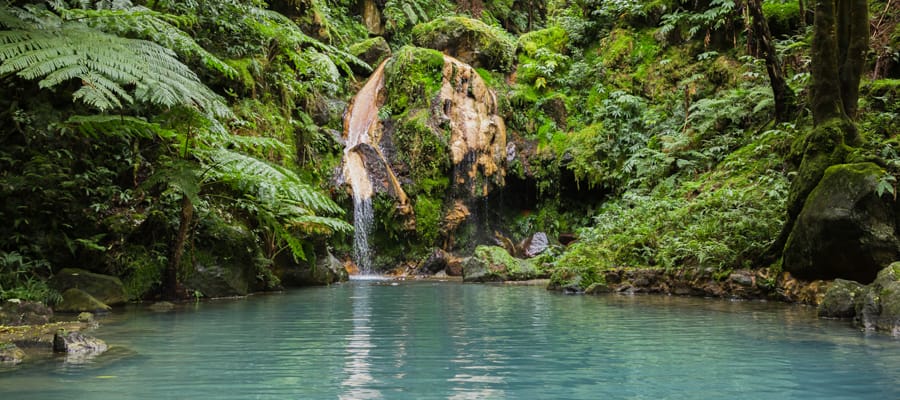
pixel 357 363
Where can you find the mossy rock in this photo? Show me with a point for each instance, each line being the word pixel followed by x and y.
pixel 77 300
pixel 412 78
pixel 319 268
pixel 469 40
pixel 105 288
pixel 846 229
pixel 373 50
pixel 553 38
pixel 879 309
pixel 494 264
pixel 840 299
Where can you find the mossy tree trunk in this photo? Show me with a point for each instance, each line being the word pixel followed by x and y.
pixel 784 96
pixel 840 40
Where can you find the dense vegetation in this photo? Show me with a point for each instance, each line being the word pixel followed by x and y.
pixel 141 138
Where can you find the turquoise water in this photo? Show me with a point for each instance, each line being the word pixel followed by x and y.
pixel 417 340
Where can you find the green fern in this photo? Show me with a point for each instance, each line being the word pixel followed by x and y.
pixel 56 51
pixel 134 21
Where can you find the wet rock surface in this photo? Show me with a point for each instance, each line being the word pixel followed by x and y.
pixel 105 288
pixel 16 312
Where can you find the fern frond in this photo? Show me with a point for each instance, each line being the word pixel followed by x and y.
pixel 160 28
pixel 106 64
pixel 95 126
pixel 315 224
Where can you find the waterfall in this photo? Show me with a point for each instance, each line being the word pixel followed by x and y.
pixel 359 120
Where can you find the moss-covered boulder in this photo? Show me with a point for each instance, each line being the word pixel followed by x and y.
pixel 494 264
pixel 469 40
pixel 840 299
pixel 373 50
pixel 105 288
pixel 75 300
pixel 879 308
pixel 845 229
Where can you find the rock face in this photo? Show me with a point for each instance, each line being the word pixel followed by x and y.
pixel 470 40
pixel 225 267
pixel 13 313
pixel 493 264
pixel 845 229
pixel 105 288
pixel 76 301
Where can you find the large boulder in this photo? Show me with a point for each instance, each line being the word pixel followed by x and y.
pixel 494 264
pixel 435 262
pixel 879 308
pixel 320 268
pixel 845 229
pixel 215 278
pixel 76 300
pixel 469 40
pixel 225 261
pixel 105 288
pixel 16 312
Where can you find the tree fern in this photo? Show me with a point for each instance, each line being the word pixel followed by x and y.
pixel 126 20
pixel 114 71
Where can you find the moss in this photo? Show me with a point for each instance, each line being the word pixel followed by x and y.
pixel 781 15
pixel 423 149
pixel 469 39
pixel 372 50
pixel 243 67
pixel 822 147
pixel 428 219
pixel 553 38
pixel 412 78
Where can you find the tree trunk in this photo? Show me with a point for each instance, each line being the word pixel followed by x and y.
pixel 825 89
pixel 176 252
pixel 784 96
pixel 853 30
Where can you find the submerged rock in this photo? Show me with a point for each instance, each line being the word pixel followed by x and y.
pixel 845 229
pixel 105 288
pixel 78 347
pixel 11 354
pixel 76 301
